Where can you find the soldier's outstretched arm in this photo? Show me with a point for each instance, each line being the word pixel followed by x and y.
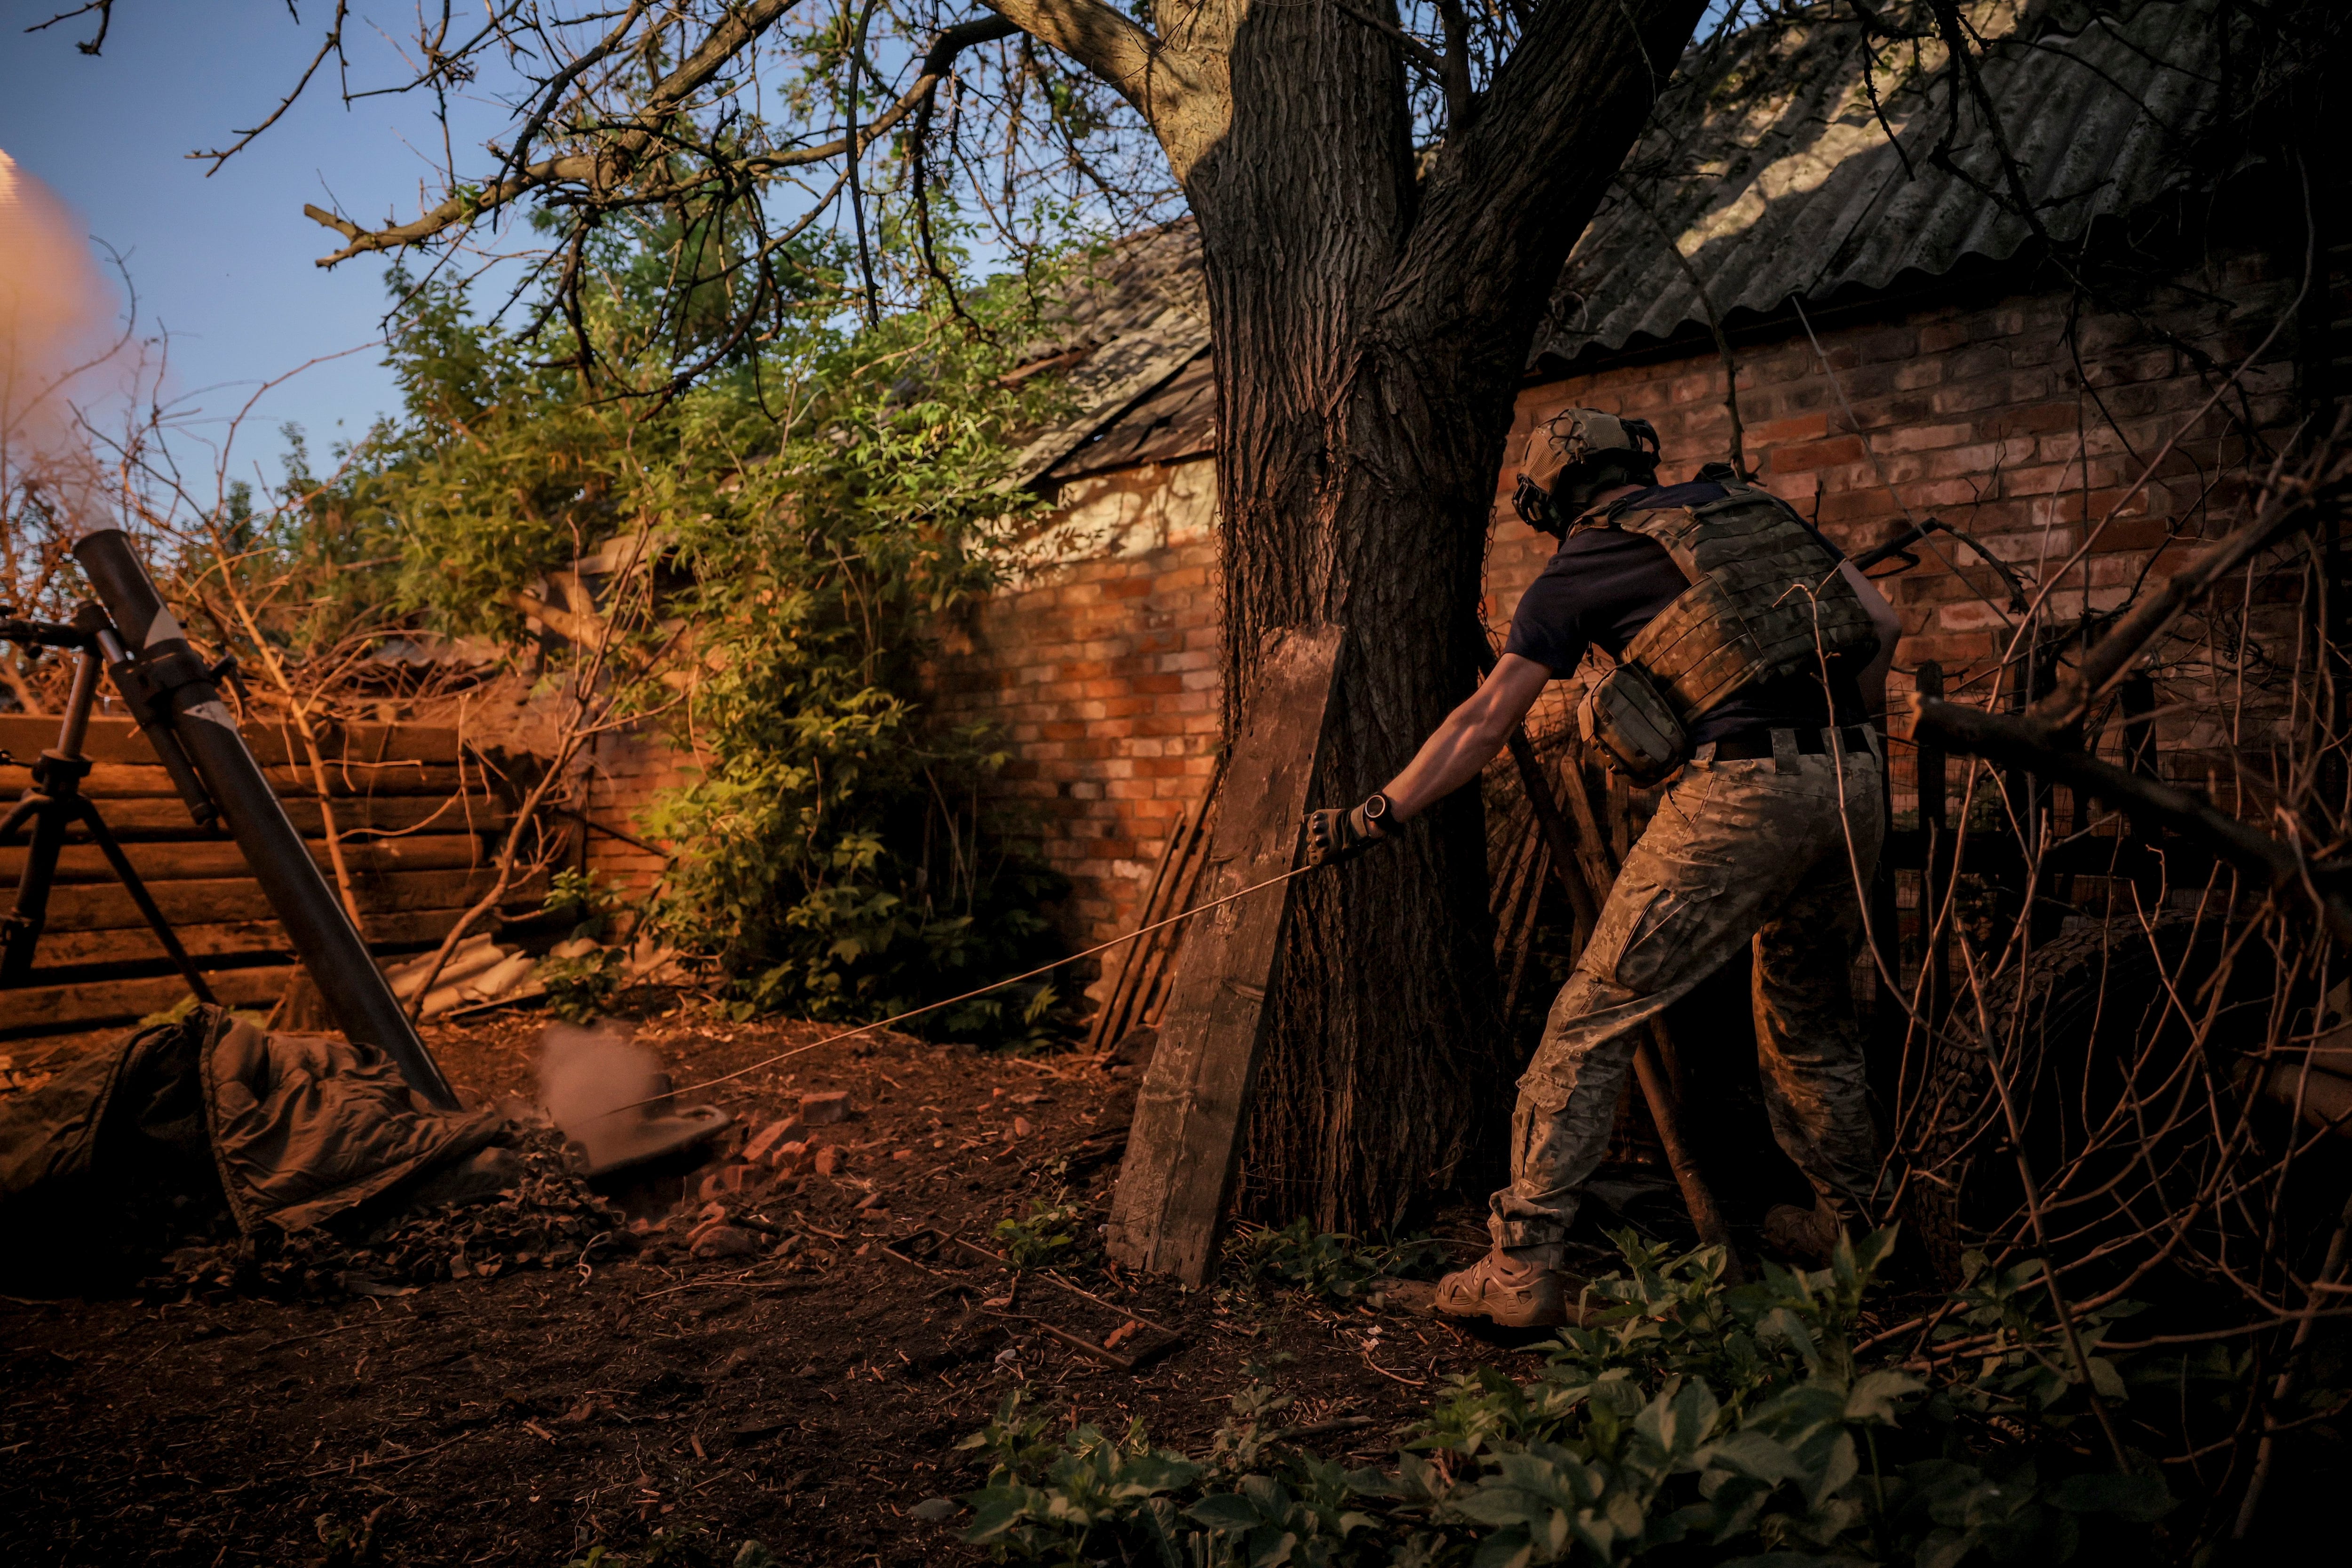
pixel 1456 752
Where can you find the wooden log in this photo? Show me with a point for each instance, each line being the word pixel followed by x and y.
pixel 120 781
pixel 1181 1154
pixel 214 860
pixel 38 1009
pixel 105 906
pixel 161 818
pixel 2014 742
pixel 273 744
pixel 224 939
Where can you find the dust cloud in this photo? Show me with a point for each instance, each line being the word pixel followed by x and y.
pixel 57 334
pixel 584 1076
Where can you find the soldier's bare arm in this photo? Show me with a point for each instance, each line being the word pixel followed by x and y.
pixel 1454 754
pixel 1458 750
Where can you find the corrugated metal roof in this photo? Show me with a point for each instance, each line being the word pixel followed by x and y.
pixel 1786 185
pixel 1138 317
pixel 1774 179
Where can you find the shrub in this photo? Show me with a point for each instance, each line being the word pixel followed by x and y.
pixel 1711 1421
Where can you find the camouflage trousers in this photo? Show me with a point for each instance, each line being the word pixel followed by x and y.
pixel 1765 851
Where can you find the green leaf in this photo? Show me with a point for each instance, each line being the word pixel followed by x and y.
pixel 1225 1511
pixel 1874 1395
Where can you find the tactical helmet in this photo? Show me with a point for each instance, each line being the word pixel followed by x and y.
pixel 1576 454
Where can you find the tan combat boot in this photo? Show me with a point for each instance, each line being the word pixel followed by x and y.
pixel 1511 1294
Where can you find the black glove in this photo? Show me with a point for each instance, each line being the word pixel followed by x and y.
pixel 1334 835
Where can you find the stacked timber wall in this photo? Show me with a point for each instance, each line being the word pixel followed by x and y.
pixel 419 824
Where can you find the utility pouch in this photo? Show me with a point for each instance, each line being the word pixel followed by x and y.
pixel 1625 720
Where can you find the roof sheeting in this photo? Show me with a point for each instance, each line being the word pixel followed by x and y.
pixel 1139 317
pixel 1773 178
pixel 1788 184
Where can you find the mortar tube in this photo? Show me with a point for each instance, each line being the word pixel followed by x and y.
pixel 322 934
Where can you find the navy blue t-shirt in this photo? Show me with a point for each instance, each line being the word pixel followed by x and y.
pixel 1604 584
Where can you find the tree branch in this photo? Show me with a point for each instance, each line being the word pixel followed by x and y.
pixel 1125 57
pixel 610 162
pixel 2293 503
pixel 105 9
pixel 1510 192
pixel 2020 744
pixel 598 168
pixel 1419 53
pixel 332 44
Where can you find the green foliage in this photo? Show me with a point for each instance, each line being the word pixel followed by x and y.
pixel 1694 1420
pixel 1335 1268
pixel 580 979
pixel 1031 1240
pixel 779 541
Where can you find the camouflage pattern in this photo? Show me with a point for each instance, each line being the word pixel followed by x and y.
pixel 1760 851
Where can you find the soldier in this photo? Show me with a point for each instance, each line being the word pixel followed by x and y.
pixel 1747 654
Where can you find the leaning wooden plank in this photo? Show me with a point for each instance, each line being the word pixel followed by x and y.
pixel 216 859
pixel 137 944
pixel 1186 1139
pixel 89 1002
pixel 104 906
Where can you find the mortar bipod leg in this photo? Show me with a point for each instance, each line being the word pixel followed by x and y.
pixel 128 875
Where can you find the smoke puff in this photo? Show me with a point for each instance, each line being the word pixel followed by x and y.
pixel 56 315
pixel 584 1075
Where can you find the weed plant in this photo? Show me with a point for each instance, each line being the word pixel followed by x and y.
pixel 1692 1421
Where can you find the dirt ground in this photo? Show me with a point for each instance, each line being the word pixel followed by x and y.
pixel 807 1399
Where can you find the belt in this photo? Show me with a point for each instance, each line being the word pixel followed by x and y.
pixel 1753 745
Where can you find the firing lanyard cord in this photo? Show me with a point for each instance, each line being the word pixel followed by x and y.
pixel 982 991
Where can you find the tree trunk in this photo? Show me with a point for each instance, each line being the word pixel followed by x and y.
pixel 1370 338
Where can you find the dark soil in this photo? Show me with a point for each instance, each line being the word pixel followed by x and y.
pixel 806 1399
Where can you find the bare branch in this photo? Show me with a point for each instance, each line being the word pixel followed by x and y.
pixel 105 9
pixel 2295 502
pixel 331 45
pixel 612 162
pixel 1419 53
pixel 598 170
pixel 1118 52
pixel 2017 742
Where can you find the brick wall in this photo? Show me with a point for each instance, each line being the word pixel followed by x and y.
pixel 1099 663
pixel 1098 666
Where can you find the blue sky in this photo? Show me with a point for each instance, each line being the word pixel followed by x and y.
pixel 226 264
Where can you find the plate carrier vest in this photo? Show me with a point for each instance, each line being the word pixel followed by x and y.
pixel 1766 599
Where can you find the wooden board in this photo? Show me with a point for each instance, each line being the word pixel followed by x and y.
pixel 1169 1214
pixel 105 906
pixel 419 829
pixel 221 858
pixel 119 741
pixel 43 1009
pixel 162 817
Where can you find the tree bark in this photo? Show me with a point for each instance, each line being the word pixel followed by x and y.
pixel 1370 331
